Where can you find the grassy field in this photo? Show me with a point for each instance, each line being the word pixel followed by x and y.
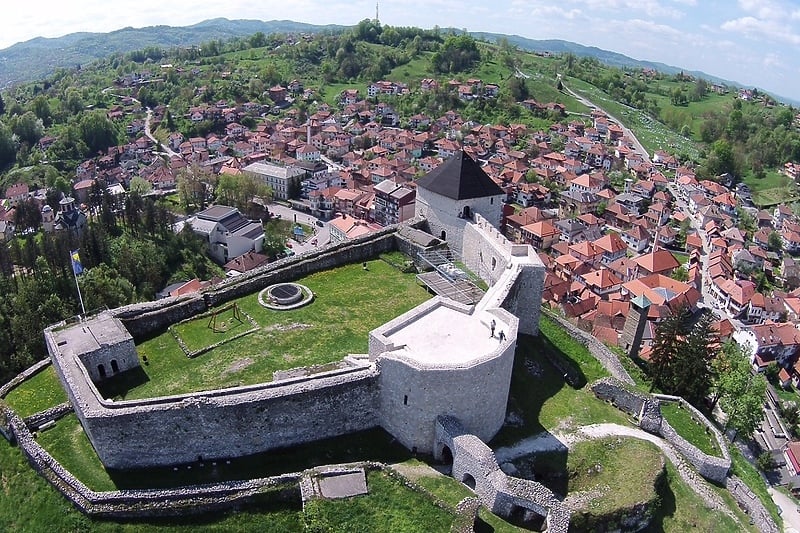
pixel 540 397
pixel 627 474
pixel 773 189
pixel 222 326
pixel 682 510
pixel 651 133
pixel 349 303
pixel 29 503
pixel 36 394
pixel 681 421
pixel 390 506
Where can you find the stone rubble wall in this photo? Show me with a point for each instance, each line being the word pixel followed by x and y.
pixel 751 504
pixel 599 351
pixel 711 467
pixel 147 502
pixel 647 409
pixel 474 462
pixel 52 414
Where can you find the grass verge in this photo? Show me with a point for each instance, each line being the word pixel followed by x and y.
pixel 748 473
pixel 687 427
pixel 389 506
pixel 36 394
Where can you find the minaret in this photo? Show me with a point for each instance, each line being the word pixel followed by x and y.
pixel 376 12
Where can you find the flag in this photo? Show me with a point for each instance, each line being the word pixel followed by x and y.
pixel 77 267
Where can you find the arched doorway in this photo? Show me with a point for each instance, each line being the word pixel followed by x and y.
pixel 114 366
pixel 466 212
pixel 468 480
pixel 444 235
pixel 102 371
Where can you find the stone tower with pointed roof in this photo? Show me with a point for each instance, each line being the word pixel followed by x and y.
pixel 450 195
pixel 633 331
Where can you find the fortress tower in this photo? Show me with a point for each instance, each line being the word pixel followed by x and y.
pixel 450 195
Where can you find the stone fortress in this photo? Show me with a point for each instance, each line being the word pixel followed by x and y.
pixel 441 364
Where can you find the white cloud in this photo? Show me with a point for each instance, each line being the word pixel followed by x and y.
pixel 555 12
pixel 755 28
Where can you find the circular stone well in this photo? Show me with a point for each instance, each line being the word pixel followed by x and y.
pixel 285 293
pixel 282 296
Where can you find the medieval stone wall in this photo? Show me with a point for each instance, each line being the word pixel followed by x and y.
pixel 233 423
pixel 475 465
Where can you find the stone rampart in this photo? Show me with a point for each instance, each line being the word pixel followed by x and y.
pixel 233 422
pixel 149 502
pixel 475 465
pixel 49 415
pixel 599 351
pixel 416 390
pixel 752 505
pixel 514 273
pixel 646 408
pixel 639 405
pixel 714 468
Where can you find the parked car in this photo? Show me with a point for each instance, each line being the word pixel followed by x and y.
pixel 320 223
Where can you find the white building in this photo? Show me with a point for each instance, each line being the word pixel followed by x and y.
pixel 228 233
pixel 284 181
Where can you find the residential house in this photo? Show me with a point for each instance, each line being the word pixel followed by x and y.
pixel 227 232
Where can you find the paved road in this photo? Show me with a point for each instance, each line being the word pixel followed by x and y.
pixel 790 512
pixel 322 235
pixel 149 135
pixel 638 147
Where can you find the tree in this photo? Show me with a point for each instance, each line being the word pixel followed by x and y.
pixel 680 361
pixel 8 147
pixel 774 241
pixel 193 183
pixel 140 186
pixel 102 287
pixel 98 132
pixel 740 392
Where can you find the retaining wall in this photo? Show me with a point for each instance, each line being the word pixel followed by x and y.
pixel 647 409
pixel 711 467
pixel 751 504
pixel 475 465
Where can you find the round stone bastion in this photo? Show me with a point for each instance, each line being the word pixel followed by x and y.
pixel 285 296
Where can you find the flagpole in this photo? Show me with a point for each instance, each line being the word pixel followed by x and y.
pixel 75 275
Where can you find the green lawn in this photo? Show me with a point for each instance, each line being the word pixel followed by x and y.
pixel 627 474
pixel 29 503
pixel 681 421
pixel 539 395
pixel 774 188
pixel 349 303
pixel 36 394
pixel 389 506
pixel 682 510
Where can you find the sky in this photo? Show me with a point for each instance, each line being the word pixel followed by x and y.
pixel 753 42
